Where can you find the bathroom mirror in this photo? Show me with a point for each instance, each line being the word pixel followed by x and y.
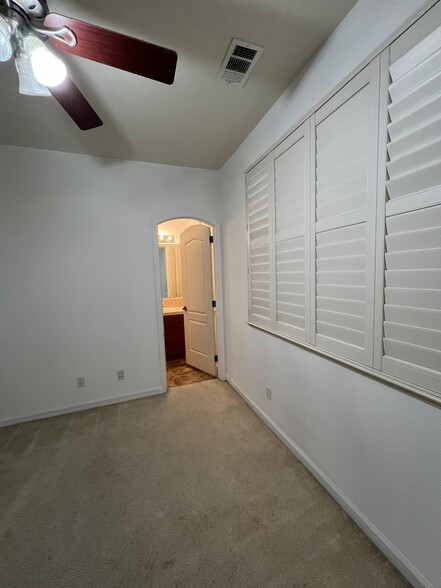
pixel 170 264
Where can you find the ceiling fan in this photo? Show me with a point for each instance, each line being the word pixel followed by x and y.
pixel 26 26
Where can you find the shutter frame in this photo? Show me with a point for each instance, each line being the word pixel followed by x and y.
pixel 422 381
pixel 360 98
pixel 266 169
pixel 294 321
pixel 411 330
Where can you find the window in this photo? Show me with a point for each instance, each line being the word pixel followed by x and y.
pixel 412 293
pixel 344 220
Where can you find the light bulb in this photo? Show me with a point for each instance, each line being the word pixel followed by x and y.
pixel 48 69
pixel 5 44
pixel 28 85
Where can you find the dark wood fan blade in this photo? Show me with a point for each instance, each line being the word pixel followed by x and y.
pixel 121 51
pixel 75 104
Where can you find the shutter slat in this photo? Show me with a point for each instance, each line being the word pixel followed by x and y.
pixel 422 103
pixel 425 219
pixel 421 258
pixel 341 278
pixel 344 164
pixel 258 194
pixel 289 187
pixel 256 213
pixel 345 277
pixel 256 179
pixel 416 76
pixel 292 255
pixel 341 157
pixel 413 354
pixel 351 262
pixel 416 140
pixel 413 297
pixel 354 307
pixel 292 297
pixel 344 319
pixel 341 334
pixel 292 265
pixel 354 201
pixel 417 317
pixel 412 310
pixel 258 182
pixel 412 240
pixel 341 249
pixel 291 320
pixel 415 160
pixel 406 278
pixel 347 185
pixel 343 293
pixel 417 181
pixel 417 54
pixel 414 145
pixel 291 308
pixel 415 335
pixel 290 287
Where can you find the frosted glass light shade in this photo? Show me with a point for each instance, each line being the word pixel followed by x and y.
pixel 28 85
pixel 5 44
pixel 48 69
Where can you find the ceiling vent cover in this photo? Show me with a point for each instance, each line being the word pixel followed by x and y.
pixel 239 61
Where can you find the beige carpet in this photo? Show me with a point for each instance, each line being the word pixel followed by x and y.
pixel 189 489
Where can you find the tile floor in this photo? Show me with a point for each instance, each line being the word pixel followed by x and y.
pixel 179 373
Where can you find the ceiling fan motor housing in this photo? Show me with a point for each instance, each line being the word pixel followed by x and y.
pixel 32 18
pixel 36 10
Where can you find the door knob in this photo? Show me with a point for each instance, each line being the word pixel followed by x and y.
pixel 184 308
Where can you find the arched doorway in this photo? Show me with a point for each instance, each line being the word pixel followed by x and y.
pixel 189 303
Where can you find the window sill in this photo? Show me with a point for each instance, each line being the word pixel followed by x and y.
pixel 421 393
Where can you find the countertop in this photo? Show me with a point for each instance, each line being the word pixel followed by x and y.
pixel 172 310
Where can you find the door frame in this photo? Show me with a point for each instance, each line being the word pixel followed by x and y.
pixel 218 277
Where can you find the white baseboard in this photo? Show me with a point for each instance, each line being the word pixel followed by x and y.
pixel 83 406
pixel 411 574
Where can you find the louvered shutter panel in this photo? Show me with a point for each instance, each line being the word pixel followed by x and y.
pixel 412 310
pixel 346 151
pixel 414 129
pixel 260 194
pixel 412 296
pixel 292 257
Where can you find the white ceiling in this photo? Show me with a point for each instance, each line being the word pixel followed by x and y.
pixel 196 122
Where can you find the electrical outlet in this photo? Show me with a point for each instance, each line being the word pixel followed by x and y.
pixel 120 375
pixel 81 382
pixel 269 393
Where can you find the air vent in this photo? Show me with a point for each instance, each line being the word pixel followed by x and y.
pixel 239 61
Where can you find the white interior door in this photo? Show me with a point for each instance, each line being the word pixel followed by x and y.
pixel 197 290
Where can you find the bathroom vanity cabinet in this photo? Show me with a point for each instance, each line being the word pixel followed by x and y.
pixel 174 335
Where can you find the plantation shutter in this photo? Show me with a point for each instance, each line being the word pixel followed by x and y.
pixel 345 196
pixel 412 301
pixel 260 195
pixel 292 257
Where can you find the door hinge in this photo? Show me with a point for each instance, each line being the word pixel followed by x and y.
pixel 213 303
pixel 211 239
pixel 216 359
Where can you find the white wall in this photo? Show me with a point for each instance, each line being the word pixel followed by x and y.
pixel 77 288
pixel 379 449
